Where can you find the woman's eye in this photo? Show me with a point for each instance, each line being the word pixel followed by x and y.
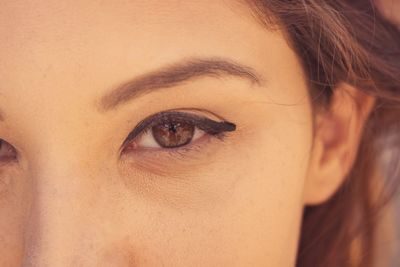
pixel 174 130
pixel 7 151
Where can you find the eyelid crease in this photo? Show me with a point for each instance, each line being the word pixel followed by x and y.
pixel 207 125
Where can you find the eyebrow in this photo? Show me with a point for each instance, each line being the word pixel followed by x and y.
pixel 174 75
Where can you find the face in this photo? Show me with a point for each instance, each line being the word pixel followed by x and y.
pixel 149 133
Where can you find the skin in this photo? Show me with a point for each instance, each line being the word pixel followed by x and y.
pixel 390 9
pixel 72 200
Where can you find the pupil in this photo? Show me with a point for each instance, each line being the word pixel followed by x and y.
pixel 173 134
pixel 173 127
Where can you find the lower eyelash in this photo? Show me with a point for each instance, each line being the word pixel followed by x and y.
pixel 196 145
pixel 183 152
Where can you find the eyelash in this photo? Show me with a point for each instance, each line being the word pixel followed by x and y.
pixel 210 127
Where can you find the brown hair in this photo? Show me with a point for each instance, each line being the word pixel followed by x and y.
pixel 344 41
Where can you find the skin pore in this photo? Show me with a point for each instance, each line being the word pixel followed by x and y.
pixel 72 198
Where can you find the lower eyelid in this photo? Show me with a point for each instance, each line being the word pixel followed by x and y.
pixel 179 162
pixel 175 161
pixel 194 147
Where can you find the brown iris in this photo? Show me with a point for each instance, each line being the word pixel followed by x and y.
pixel 173 134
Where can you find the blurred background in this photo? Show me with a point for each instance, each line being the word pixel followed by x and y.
pixel 389 243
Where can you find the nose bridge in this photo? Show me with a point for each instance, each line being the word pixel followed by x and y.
pixel 59 209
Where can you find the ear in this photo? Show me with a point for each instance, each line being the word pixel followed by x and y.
pixel 337 134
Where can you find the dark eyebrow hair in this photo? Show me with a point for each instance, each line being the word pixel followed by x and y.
pixel 173 75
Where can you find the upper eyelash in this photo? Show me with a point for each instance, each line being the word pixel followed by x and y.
pixel 207 125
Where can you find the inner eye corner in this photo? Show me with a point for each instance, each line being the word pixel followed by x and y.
pixel 11 153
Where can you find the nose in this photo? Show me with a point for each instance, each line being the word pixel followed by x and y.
pixel 62 213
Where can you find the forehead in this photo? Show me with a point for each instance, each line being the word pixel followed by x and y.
pixel 57 53
pixel 78 26
pixel 74 41
pixel 47 36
